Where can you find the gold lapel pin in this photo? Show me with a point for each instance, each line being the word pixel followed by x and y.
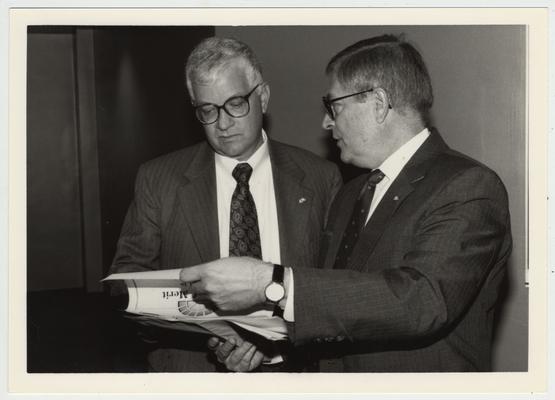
pixel 302 200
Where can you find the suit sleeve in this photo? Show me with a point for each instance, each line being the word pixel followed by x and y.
pixel 139 242
pixel 463 234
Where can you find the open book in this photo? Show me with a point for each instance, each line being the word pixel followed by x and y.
pixel 158 298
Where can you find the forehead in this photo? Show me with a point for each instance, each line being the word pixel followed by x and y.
pixel 222 83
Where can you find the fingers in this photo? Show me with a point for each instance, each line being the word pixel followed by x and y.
pixel 239 360
pixel 190 274
pixel 202 298
pixel 197 291
pixel 213 343
pixel 224 350
pixel 256 360
pixel 239 353
pixel 244 358
pixel 236 355
pixel 196 287
pixel 220 348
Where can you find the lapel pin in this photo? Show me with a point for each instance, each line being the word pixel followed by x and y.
pixel 396 198
pixel 302 200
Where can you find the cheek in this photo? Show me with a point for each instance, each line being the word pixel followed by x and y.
pixel 357 130
pixel 250 125
pixel 349 131
pixel 210 133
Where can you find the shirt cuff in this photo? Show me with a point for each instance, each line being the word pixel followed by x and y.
pixel 274 360
pixel 289 310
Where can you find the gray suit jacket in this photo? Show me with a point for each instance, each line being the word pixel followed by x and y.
pixel 420 289
pixel 173 223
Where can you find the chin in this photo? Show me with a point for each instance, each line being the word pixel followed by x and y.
pixel 346 158
pixel 231 150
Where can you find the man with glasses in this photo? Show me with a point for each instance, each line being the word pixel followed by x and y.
pixel 414 251
pixel 237 194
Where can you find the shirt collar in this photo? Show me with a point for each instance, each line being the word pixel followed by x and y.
pixel 261 155
pixel 393 164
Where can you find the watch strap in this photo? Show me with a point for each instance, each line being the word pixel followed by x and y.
pixel 278 311
pixel 278 274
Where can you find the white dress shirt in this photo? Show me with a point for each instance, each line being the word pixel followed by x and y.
pixel 391 168
pixel 261 186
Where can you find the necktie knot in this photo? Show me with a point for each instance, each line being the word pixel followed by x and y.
pixel 242 173
pixel 375 177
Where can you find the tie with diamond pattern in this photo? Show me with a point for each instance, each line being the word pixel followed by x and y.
pixel 244 236
pixel 358 219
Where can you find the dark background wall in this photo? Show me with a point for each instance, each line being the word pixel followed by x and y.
pixel 142 110
pixel 103 100
pixel 53 209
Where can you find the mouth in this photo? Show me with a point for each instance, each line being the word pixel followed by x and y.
pixel 229 137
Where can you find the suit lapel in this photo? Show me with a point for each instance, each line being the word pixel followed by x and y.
pixel 293 202
pixel 413 172
pixel 379 220
pixel 198 202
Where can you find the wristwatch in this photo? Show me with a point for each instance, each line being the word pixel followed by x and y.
pixel 275 291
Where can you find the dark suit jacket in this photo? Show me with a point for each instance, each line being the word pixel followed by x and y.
pixel 173 223
pixel 420 289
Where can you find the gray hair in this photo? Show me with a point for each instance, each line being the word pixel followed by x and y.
pixel 388 62
pixel 214 53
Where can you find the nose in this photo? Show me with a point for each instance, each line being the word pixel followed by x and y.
pixel 327 122
pixel 224 121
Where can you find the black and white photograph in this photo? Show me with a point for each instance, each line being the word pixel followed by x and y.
pixel 295 200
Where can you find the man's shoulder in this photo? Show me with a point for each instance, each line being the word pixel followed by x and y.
pixel 453 162
pixel 459 174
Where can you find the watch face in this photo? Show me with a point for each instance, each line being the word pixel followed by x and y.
pixel 275 292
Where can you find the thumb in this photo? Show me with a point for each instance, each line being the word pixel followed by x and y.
pixel 213 342
pixel 189 274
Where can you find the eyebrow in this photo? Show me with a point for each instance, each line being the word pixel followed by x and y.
pixel 206 103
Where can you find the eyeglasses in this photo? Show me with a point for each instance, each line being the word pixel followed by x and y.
pixel 236 107
pixel 328 103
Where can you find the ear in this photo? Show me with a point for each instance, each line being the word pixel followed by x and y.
pixel 264 96
pixel 381 104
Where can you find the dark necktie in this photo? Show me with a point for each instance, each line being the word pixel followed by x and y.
pixel 244 236
pixel 358 219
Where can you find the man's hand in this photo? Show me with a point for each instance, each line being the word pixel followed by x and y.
pixel 237 357
pixel 230 284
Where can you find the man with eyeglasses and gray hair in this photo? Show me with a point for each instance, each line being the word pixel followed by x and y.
pixel 240 193
pixel 414 250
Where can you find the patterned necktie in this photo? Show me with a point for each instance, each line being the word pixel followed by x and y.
pixel 358 219
pixel 244 236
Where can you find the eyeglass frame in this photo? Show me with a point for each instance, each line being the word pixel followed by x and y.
pixel 328 102
pixel 244 97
